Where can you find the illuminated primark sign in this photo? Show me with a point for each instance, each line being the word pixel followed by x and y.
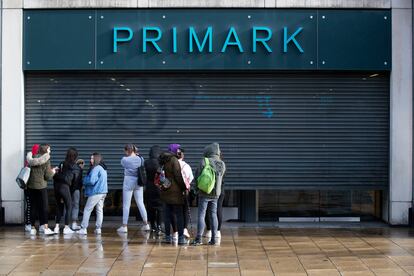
pixel 202 41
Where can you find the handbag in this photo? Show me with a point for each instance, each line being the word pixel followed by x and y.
pixel 23 177
pixel 142 174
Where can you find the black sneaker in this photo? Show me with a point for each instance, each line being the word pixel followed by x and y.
pixel 212 242
pixel 197 242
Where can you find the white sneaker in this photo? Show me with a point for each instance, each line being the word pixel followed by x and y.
pixel 57 229
pixel 82 231
pixel 98 231
pixel 175 236
pixel 75 226
pixel 27 227
pixel 208 234
pixel 48 232
pixel 41 229
pixel 67 230
pixel 145 227
pixel 122 229
pixel 186 234
pixel 218 234
pixel 33 231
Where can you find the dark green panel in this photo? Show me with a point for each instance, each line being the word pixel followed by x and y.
pixel 59 39
pixel 277 130
pixel 354 39
pixel 130 55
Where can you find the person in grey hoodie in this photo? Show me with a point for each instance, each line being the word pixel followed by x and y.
pixel 212 152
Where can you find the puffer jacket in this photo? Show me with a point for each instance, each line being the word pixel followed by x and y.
pixel 40 171
pixel 175 193
pixel 212 152
pixel 152 192
pixel 68 175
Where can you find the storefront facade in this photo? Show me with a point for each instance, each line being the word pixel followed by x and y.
pixel 312 105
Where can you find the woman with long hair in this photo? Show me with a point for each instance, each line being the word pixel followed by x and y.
pixel 131 163
pixel 64 179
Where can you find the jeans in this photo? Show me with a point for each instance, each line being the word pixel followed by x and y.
pixel 62 192
pixel 98 201
pixel 219 213
pixel 127 191
pixel 203 202
pixel 75 205
pixel 172 211
pixel 40 205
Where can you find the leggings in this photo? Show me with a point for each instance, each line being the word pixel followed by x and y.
pixel 154 214
pixel 219 213
pixel 40 205
pixel 62 193
pixel 172 211
pixel 139 200
pixel 27 210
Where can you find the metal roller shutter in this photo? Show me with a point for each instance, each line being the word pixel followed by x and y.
pixel 277 130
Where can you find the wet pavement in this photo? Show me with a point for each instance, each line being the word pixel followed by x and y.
pixel 245 249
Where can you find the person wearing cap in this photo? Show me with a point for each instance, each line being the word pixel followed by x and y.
pixel 173 195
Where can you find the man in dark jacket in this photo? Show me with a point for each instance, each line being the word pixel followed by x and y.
pixel 152 192
pixel 173 196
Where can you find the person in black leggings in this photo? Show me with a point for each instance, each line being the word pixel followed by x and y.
pixel 152 192
pixel 67 175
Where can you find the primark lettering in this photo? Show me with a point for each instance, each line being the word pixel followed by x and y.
pixel 202 40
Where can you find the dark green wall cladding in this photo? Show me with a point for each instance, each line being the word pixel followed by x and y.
pixel 330 39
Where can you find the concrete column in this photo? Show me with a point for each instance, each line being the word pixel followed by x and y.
pixel 12 113
pixel 401 116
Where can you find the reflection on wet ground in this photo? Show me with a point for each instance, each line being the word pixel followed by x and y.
pixel 244 250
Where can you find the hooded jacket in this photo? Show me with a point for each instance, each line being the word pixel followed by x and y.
pixel 40 171
pixel 96 182
pixel 212 152
pixel 152 192
pixel 172 168
pixel 69 174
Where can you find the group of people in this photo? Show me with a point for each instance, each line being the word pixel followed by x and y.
pixel 165 181
pixel 67 182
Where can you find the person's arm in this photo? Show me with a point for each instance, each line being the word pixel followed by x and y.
pixel 33 162
pixel 123 162
pixel 93 176
pixel 49 173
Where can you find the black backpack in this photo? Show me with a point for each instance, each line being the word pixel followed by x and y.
pixel 142 174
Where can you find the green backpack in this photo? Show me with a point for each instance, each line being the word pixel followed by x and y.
pixel 207 179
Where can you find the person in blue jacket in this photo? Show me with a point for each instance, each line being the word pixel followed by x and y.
pixel 96 188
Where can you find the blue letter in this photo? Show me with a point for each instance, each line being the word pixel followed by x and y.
pixel 145 40
pixel 232 32
pixel 261 40
pixel 174 39
pixel 116 39
pixel 193 36
pixel 291 38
